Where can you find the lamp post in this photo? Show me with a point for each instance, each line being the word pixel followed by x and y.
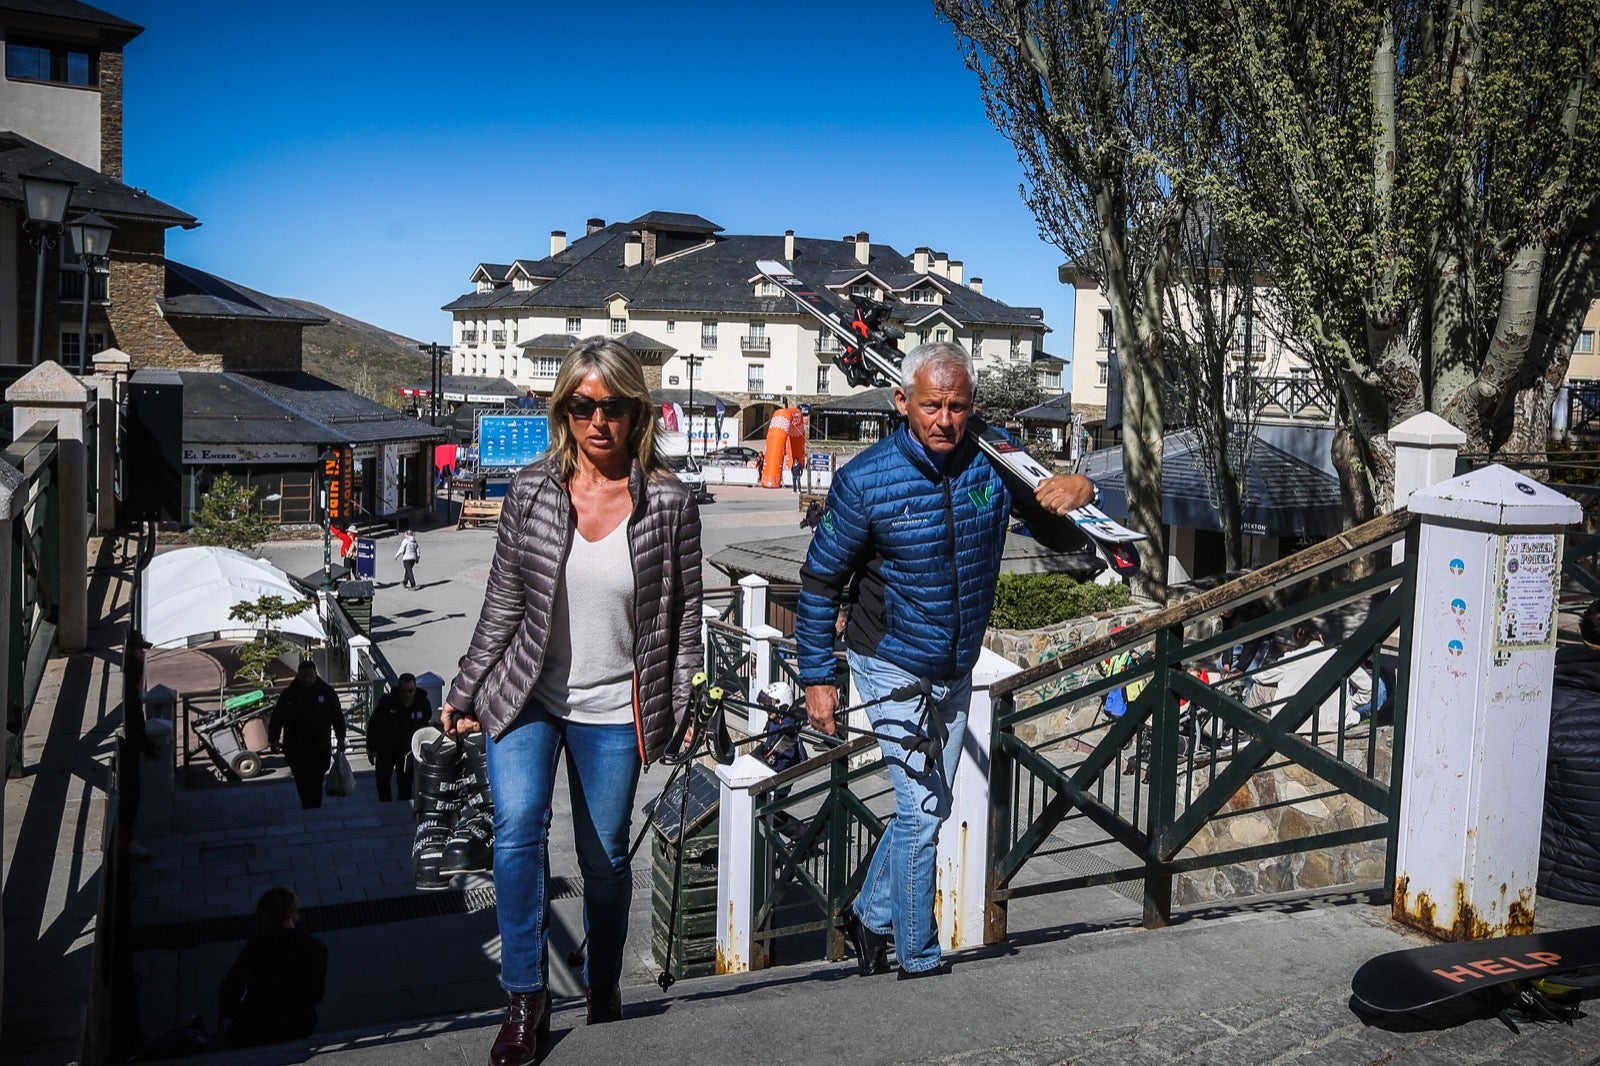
pixel 91 236
pixel 328 468
pixel 45 193
pixel 692 361
pixel 436 380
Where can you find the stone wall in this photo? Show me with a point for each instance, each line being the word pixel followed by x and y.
pixel 1301 812
pixel 111 113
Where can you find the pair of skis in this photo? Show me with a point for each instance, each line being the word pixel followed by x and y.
pixel 872 356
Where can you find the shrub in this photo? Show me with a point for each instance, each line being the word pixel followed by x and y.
pixel 1032 601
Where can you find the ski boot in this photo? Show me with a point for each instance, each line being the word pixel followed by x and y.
pixel 436 793
pixel 470 849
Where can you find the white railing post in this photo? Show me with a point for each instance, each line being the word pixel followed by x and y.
pixel 752 601
pixel 1478 709
pixel 1425 447
pixel 736 872
pixel 47 393
pixel 963 848
pixel 759 646
pixel 708 614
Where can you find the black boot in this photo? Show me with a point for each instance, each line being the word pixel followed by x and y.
pixel 872 949
pixel 471 846
pixel 436 800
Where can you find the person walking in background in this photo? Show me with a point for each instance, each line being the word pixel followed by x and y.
pixel 401 712
pixel 914 528
pixel 795 471
pixel 306 717
pixel 271 991
pixel 588 640
pixel 408 553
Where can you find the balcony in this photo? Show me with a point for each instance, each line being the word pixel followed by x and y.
pixel 829 345
pixel 1294 396
pixel 1102 340
pixel 498 338
pixel 753 344
pixel 469 336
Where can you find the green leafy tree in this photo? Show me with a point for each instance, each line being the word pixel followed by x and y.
pixel 266 615
pixel 1427 177
pixel 227 516
pixel 1109 133
pixel 1002 393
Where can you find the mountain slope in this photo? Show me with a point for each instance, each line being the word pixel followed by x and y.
pixel 360 356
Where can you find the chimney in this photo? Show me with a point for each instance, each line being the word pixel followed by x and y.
pixel 863 248
pixel 919 259
pixel 955 271
pixel 594 225
pixel 632 250
pixel 976 286
pixel 788 246
pixel 941 264
pixel 558 241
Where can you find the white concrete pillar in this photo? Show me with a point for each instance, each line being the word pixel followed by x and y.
pixel 1478 712
pixel 708 613
pixel 47 393
pixel 1425 448
pixel 736 872
pixel 963 846
pixel 752 601
pixel 762 671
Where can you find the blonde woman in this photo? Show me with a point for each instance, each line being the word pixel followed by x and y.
pixel 598 550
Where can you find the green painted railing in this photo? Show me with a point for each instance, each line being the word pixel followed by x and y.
pixel 1059 785
pixel 35 570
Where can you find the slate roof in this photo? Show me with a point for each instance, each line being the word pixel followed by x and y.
pixel 550 342
pixel 475 383
pixel 638 342
pixel 73 11
pixel 1057 409
pixel 340 414
pixel 674 220
pixel 192 293
pixel 1284 496
pixel 703 400
pixel 878 401
pixel 715 278
pixel 93 192
pixel 779 560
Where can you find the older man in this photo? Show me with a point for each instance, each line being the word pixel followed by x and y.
pixel 916 525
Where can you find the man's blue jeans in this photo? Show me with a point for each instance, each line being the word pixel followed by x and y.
pixel 602 776
pixel 899 889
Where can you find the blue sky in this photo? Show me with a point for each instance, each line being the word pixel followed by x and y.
pixel 367 156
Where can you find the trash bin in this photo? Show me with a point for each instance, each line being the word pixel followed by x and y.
pixel 355 598
pixel 694 943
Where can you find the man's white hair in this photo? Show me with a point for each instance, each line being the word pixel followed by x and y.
pixel 937 355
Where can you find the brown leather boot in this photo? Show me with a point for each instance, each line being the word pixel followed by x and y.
pixel 527 1026
pixel 603 1006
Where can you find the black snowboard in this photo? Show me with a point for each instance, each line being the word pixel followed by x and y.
pixel 1421 977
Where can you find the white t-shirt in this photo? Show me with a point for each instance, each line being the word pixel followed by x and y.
pixel 593 686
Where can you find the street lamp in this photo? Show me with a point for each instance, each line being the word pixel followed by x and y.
pixel 91 236
pixel 436 352
pixel 45 194
pixel 692 361
pixel 328 468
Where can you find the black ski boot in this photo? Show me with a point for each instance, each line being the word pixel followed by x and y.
pixel 436 792
pixel 471 846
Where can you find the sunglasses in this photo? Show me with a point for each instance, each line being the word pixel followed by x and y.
pixel 613 407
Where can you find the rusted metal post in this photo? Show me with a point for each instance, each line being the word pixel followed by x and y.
pixel 736 871
pixel 1483 653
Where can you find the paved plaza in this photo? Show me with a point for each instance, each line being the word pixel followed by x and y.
pixel 412 976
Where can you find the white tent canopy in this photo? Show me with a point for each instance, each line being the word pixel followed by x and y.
pixel 187 594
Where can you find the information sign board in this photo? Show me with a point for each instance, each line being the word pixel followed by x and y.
pixel 511 440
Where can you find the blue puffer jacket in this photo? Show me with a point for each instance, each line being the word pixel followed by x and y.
pixel 922 549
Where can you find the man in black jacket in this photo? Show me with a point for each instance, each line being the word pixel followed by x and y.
pixel 306 717
pixel 1569 853
pixel 402 711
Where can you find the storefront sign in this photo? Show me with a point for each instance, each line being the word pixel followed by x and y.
pixel 199 454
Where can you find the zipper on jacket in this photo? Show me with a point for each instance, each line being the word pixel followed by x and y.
pixel 955 569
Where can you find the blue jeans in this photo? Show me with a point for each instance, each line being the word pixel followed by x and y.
pixel 899 887
pixel 602 776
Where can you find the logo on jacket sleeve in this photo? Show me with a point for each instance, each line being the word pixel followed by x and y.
pixel 828 523
pixel 982 497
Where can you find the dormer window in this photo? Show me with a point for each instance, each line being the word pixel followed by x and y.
pixel 767 287
pixel 922 294
pixel 865 289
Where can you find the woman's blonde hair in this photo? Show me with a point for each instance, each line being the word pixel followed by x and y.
pixel 620 370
